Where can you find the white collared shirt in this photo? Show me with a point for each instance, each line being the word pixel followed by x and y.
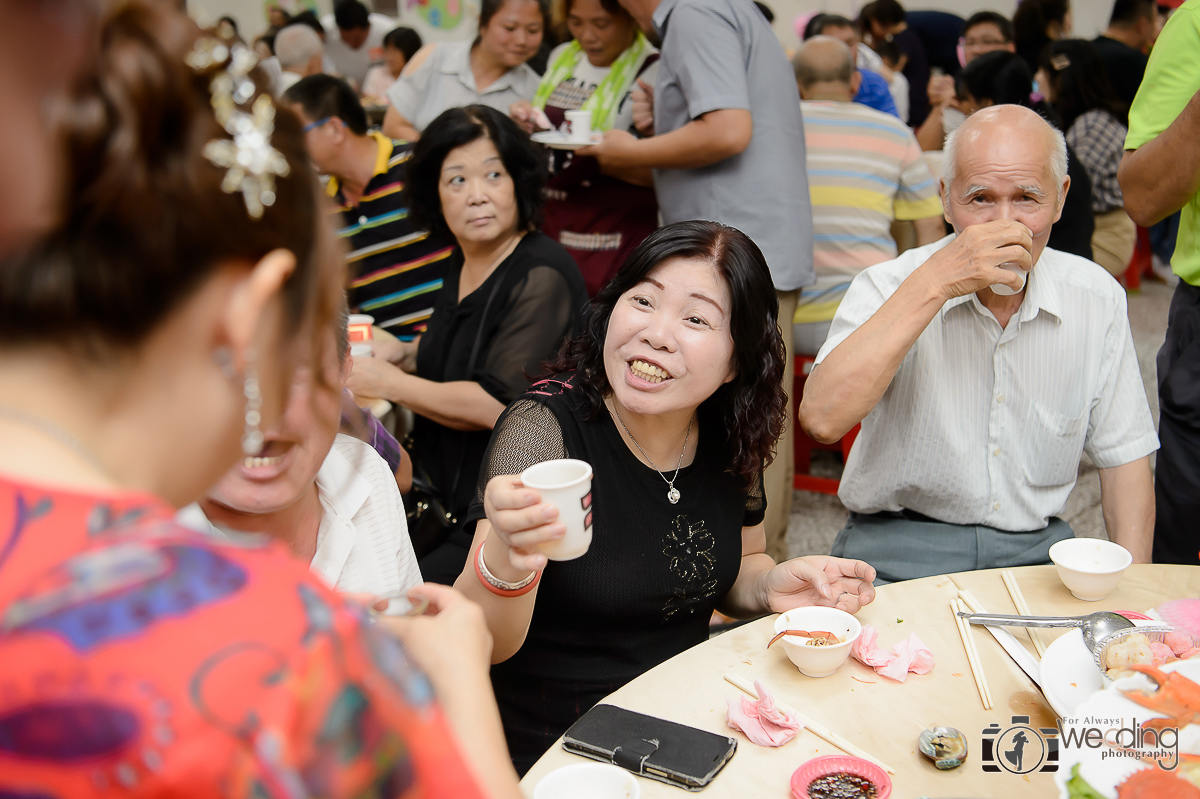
pixel 362 542
pixel 986 425
pixel 351 62
pixel 445 80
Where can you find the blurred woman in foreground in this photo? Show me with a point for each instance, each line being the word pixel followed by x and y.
pixel 143 349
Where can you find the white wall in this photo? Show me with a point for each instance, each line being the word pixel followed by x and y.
pixel 1090 16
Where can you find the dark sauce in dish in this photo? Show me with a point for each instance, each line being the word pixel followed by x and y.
pixel 841 785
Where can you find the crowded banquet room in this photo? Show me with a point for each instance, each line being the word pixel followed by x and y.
pixel 600 399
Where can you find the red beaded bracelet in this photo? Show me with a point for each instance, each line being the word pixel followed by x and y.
pixel 503 587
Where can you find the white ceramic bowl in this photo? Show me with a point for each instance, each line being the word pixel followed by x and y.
pixel 1090 568
pixel 588 781
pixel 817 661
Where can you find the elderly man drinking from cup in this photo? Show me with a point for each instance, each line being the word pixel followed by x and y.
pixel 976 402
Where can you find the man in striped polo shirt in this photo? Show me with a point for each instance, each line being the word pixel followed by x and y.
pixel 982 367
pixel 865 169
pixel 395 269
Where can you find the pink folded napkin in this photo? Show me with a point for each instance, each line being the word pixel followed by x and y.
pixel 1182 614
pixel 761 721
pixel 908 655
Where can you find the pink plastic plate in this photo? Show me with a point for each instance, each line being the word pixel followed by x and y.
pixel 832 764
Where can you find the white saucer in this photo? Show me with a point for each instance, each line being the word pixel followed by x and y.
pixel 557 141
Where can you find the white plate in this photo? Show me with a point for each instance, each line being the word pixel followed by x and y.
pixel 1110 704
pixel 557 141
pixel 1069 673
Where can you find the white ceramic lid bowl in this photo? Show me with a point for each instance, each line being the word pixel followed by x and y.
pixel 817 661
pixel 1090 568
pixel 588 781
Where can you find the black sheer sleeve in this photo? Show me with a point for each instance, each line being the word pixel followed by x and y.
pixel 756 503
pixel 540 315
pixel 526 433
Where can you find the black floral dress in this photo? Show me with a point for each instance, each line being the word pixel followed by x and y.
pixel 646 588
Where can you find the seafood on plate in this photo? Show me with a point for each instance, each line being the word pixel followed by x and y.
pixel 815 637
pixel 1178 698
pixel 1137 649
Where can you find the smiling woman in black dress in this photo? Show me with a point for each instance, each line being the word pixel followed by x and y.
pixel 673 394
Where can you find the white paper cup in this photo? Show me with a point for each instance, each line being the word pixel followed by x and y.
pixel 399 605
pixel 567 485
pixel 579 125
pixel 362 349
pixel 588 781
pixel 1007 291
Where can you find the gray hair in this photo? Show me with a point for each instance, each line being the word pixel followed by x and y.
pixel 823 59
pixel 296 45
pixel 1058 158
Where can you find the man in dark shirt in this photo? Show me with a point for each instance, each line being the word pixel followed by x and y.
pixel 395 270
pixel 939 32
pixel 886 19
pixel 1122 47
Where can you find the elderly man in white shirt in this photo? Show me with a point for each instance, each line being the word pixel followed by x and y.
pixel 981 367
pixel 354 39
pixel 300 54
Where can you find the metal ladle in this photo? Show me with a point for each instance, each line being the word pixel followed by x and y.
pixel 1094 626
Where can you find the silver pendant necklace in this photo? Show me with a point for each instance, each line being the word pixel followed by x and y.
pixel 672 492
pixel 53 431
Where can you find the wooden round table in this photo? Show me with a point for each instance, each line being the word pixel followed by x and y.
pixel 877 714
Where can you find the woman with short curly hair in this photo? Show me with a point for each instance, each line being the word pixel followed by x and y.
pixel 511 297
pixel 672 394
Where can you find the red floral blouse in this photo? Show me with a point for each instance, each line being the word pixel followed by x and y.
pixel 138 658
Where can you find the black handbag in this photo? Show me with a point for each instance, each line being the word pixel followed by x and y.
pixel 430 520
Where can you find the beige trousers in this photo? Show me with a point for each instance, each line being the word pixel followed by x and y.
pixel 778 479
pixel 1113 241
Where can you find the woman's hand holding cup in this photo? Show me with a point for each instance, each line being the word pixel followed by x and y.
pixel 545 512
pixel 520 521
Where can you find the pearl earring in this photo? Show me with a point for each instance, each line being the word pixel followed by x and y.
pixel 252 437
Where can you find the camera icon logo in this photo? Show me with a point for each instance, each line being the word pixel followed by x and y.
pixel 1019 748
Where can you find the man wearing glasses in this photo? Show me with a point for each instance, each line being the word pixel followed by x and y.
pixel 983 32
pixel 395 270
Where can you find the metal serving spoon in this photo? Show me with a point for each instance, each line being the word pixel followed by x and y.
pixel 1094 626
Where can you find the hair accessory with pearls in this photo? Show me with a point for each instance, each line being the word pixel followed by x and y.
pixel 251 163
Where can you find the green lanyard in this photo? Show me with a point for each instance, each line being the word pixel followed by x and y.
pixel 604 101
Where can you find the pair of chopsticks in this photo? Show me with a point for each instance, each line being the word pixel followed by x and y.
pixel 744 685
pixel 1014 591
pixel 964 632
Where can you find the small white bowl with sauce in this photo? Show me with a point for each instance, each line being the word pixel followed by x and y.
pixel 1090 568
pixel 817 660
